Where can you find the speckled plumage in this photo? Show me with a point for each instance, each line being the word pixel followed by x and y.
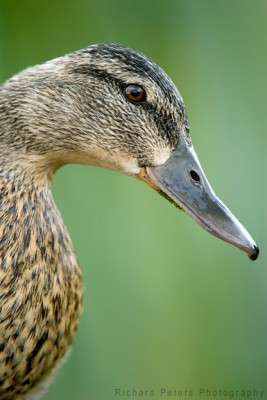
pixel 41 289
pixel 69 110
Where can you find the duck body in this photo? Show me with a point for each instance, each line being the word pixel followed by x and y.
pixel 104 105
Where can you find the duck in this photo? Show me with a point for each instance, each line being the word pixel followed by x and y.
pixel 105 105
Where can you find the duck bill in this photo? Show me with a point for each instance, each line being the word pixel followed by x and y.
pixel 182 180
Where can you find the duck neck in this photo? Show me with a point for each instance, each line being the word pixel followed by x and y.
pixel 31 227
pixel 40 279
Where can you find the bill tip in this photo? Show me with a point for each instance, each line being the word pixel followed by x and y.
pixel 256 251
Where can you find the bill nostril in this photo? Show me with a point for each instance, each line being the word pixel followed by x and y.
pixel 194 175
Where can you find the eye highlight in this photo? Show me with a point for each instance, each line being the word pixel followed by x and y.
pixel 135 93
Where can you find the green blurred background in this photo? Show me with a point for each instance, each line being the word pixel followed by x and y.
pixel 166 305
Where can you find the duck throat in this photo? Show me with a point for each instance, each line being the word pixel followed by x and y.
pixel 40 283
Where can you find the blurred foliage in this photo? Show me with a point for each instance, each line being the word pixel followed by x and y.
pixel 165 305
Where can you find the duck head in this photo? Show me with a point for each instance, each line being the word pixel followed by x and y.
pixel 110 106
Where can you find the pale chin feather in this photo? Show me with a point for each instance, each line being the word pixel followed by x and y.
pixel 161 156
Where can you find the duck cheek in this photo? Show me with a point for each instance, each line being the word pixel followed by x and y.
pixel 182 180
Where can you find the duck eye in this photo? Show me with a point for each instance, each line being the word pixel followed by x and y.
pixel 135 93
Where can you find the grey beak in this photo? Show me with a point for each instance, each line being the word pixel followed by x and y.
pixel 182 179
